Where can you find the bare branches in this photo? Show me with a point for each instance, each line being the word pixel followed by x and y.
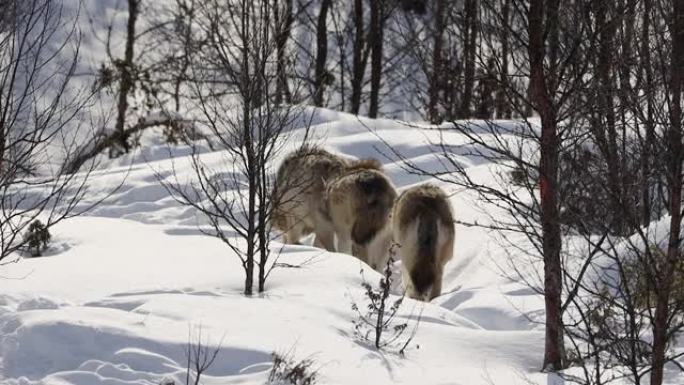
pixel 39 112
pixel 234 90
pixel 286 370
pixel 377 324
pixel 199 357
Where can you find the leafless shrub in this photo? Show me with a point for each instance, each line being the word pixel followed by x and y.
pixel 199 357
pixel 37 237
pixel 377 319
pixel 40 111
pixel 287 371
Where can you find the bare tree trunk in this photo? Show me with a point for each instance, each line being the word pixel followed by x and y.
pixel 251 194
pixel 375 41
pixel 126 83
pixel 660 334
pixel 342 33
pixel 646 66
pixel 359 63
pixel 284 27
pixel 265 208
pixel 470 47
pixel 263 229
pixel 606 90
pixel 673 159
pixel 262 187
pixel 321 53
pixel 3 134
pixel 629 189
pixel 435 81
pixel 248 89
pixel 3 140
pixel 554 352
pixel 187 14
pixel 486 86
pixel 503 108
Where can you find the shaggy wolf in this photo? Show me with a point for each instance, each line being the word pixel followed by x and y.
pixel 423 225
pixel 299 193
pixel 360 203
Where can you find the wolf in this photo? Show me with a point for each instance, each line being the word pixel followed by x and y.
pixel 423 226
pixel 360 202
pixel 299 195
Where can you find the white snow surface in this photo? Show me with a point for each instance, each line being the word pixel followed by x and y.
pixel 125 287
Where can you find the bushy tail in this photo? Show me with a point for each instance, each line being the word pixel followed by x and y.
pixel 423 275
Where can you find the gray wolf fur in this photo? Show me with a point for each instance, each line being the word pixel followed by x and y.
pixel 360 203
pixel 300 207
pixel 423 226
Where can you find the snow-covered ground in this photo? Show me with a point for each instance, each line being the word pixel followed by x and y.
pixel 125 287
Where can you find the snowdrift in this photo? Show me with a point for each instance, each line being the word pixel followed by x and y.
pixel 126 286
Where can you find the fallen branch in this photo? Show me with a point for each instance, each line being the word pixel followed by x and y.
pixel 103 142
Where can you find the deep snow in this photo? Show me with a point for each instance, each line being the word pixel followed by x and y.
pixel 124 287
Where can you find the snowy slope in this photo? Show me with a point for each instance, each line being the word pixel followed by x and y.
pixel 125 286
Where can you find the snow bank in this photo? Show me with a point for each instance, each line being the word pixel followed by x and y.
pixel 133 280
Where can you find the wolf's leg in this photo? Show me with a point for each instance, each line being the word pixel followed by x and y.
pixel 445 254
pixel 290 238
pixel 293 235
pixel 361 252
pixel 437 285
pixel 325 239
pixel 344 243
pixel 325 235
pixel 406 280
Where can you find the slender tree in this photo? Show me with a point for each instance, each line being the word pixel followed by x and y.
pixel 644 80
pixel 436 74
pixel 673 174
pixel 503 109
pixel 283 22
pixel 126 67
pixel 470 30
pixel 543 16
pixel 234 95
pixel 321 74
pixel 375 41
pixel 360 58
